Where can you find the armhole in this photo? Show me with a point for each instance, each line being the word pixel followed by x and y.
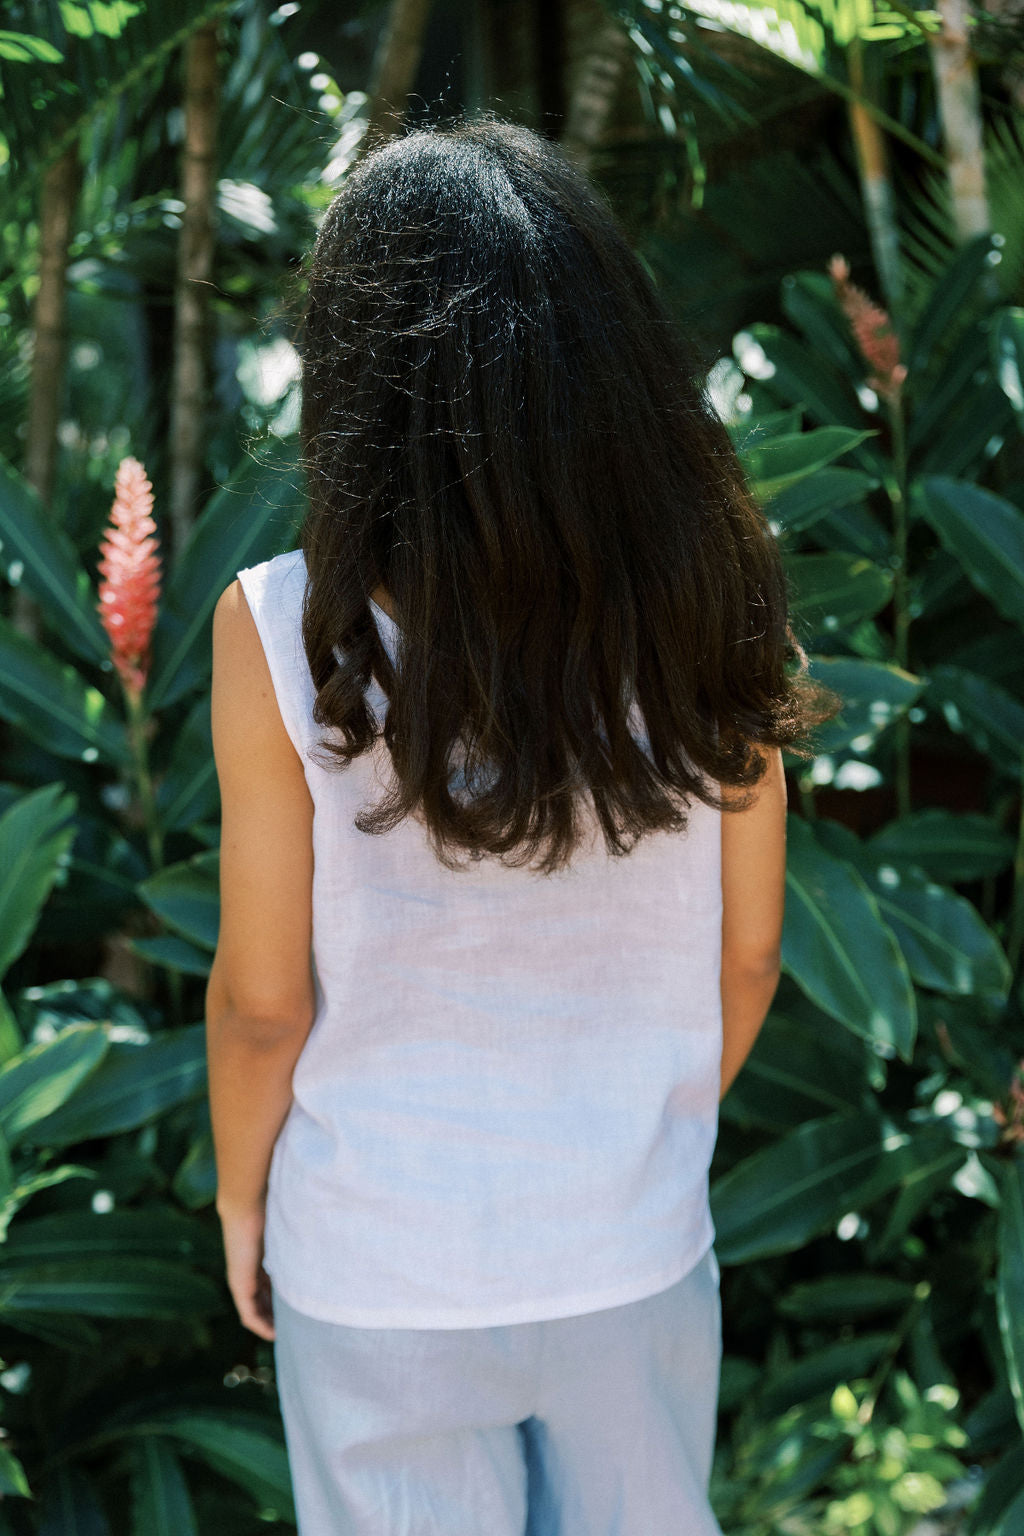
pixel 253 583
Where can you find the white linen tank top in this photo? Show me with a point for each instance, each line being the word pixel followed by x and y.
pixel 507 1105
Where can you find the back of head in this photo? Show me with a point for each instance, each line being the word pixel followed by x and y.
pixel 502 428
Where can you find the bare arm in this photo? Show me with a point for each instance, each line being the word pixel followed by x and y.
pixel 260 1001
pixel 753 898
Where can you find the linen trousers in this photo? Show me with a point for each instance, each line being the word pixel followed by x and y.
pixel 601 1424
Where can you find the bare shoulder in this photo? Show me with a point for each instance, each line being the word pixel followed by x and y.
pixel 246 715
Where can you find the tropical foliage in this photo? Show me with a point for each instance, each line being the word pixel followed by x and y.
pixel 868 1186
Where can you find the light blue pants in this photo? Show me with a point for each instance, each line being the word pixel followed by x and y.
pixel 597 1425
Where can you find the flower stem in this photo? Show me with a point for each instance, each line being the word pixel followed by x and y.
pixel 137 722
pixel 901 594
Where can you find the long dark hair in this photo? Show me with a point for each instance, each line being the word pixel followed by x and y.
pixel 501 427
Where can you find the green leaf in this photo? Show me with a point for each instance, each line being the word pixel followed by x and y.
pixel 830 591
pixel 779 1198
pixel 161 1503
pixel 187 897
pixel 949 305
pixel 946 944
pixel 838 948
pixel 53 706
pixel 174 954
pixel 822 1370
pixel 809 301
pixel 989 716
pixel 842 1298
pixel 37 550
pixel 26 1187
pixel 802 377
pixel 799 1068
pixel 249 520
pixel 44 1077
pixel 195 1183
pixel 107 1287
pixel 1000 1508
pixel 35 837
pixel 189 790
pixel 874 695
pixel 244 1447
pixel 136 1082
pixel 69 1505
pixel 1010 1278
pixel 12 1475
pixel 159 1232
pixel 946 845
pixel 801 505
pixel 779 462
pixel 1008 355
pixel 984 533
pixel 21 48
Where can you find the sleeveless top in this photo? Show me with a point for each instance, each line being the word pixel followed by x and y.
pixel 507 1105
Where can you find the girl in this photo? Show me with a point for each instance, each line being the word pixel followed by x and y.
pixel 502 868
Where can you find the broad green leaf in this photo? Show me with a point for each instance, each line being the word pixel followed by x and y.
pixel 874 695
pixel 802 504
pixel 250 519
pixel 779 1198
pixel 245 1447
pixel 1010 1278
pixel 174 954
pixel 950 303
pixel 195 1183
pixel 36 550
pixel 809 301
pixel 28 1186
pixel 802 377
pixel 189 790
pixel 780 462
pixel 1008 355
pixel 983 532
pixel 35 836
pixel 1000 1507
pixel 136 1082
pixel 843 1297
pixel 830 591
pixel 989 716
pixel 69 1505
pixel 159 1232
pixel 944 940
pixel 44 1077
pixel 53 706
pixel 839 949
pixel 12 1475
pixel 107 1287
pixel 161 1503
pixel 187 897
pixel 801 1067
pixel 948 846
pixel 822 1370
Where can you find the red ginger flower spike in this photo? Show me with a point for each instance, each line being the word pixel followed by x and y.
pixel 130 567
pixel 876 340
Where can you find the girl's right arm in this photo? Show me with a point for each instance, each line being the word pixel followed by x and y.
pixel 753 897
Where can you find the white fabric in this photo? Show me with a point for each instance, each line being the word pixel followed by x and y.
pixel 508 1103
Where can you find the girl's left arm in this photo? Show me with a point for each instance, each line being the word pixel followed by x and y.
pixel 260 1000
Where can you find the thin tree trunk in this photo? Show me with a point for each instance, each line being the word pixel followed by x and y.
pixel 395 69
pixel 594 89
pixel 61 186
pixel 875 184
pixel 956 86
pixel 195 274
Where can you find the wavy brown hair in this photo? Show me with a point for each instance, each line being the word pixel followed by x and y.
pixel 501 427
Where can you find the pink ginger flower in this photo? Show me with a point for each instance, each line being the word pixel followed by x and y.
pixel 1011 1115
pixel 130 567
pixel 876 340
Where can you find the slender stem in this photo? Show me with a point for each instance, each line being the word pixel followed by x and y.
pixel 143 778
pixel 1015 926
pixel 921 1293
pixel 901 595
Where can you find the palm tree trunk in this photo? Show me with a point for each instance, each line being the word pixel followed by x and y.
pixel 956 86
pixel 61 186
pixel 593 91
pixel 190 383
pixel 395 68
pixel 875 184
